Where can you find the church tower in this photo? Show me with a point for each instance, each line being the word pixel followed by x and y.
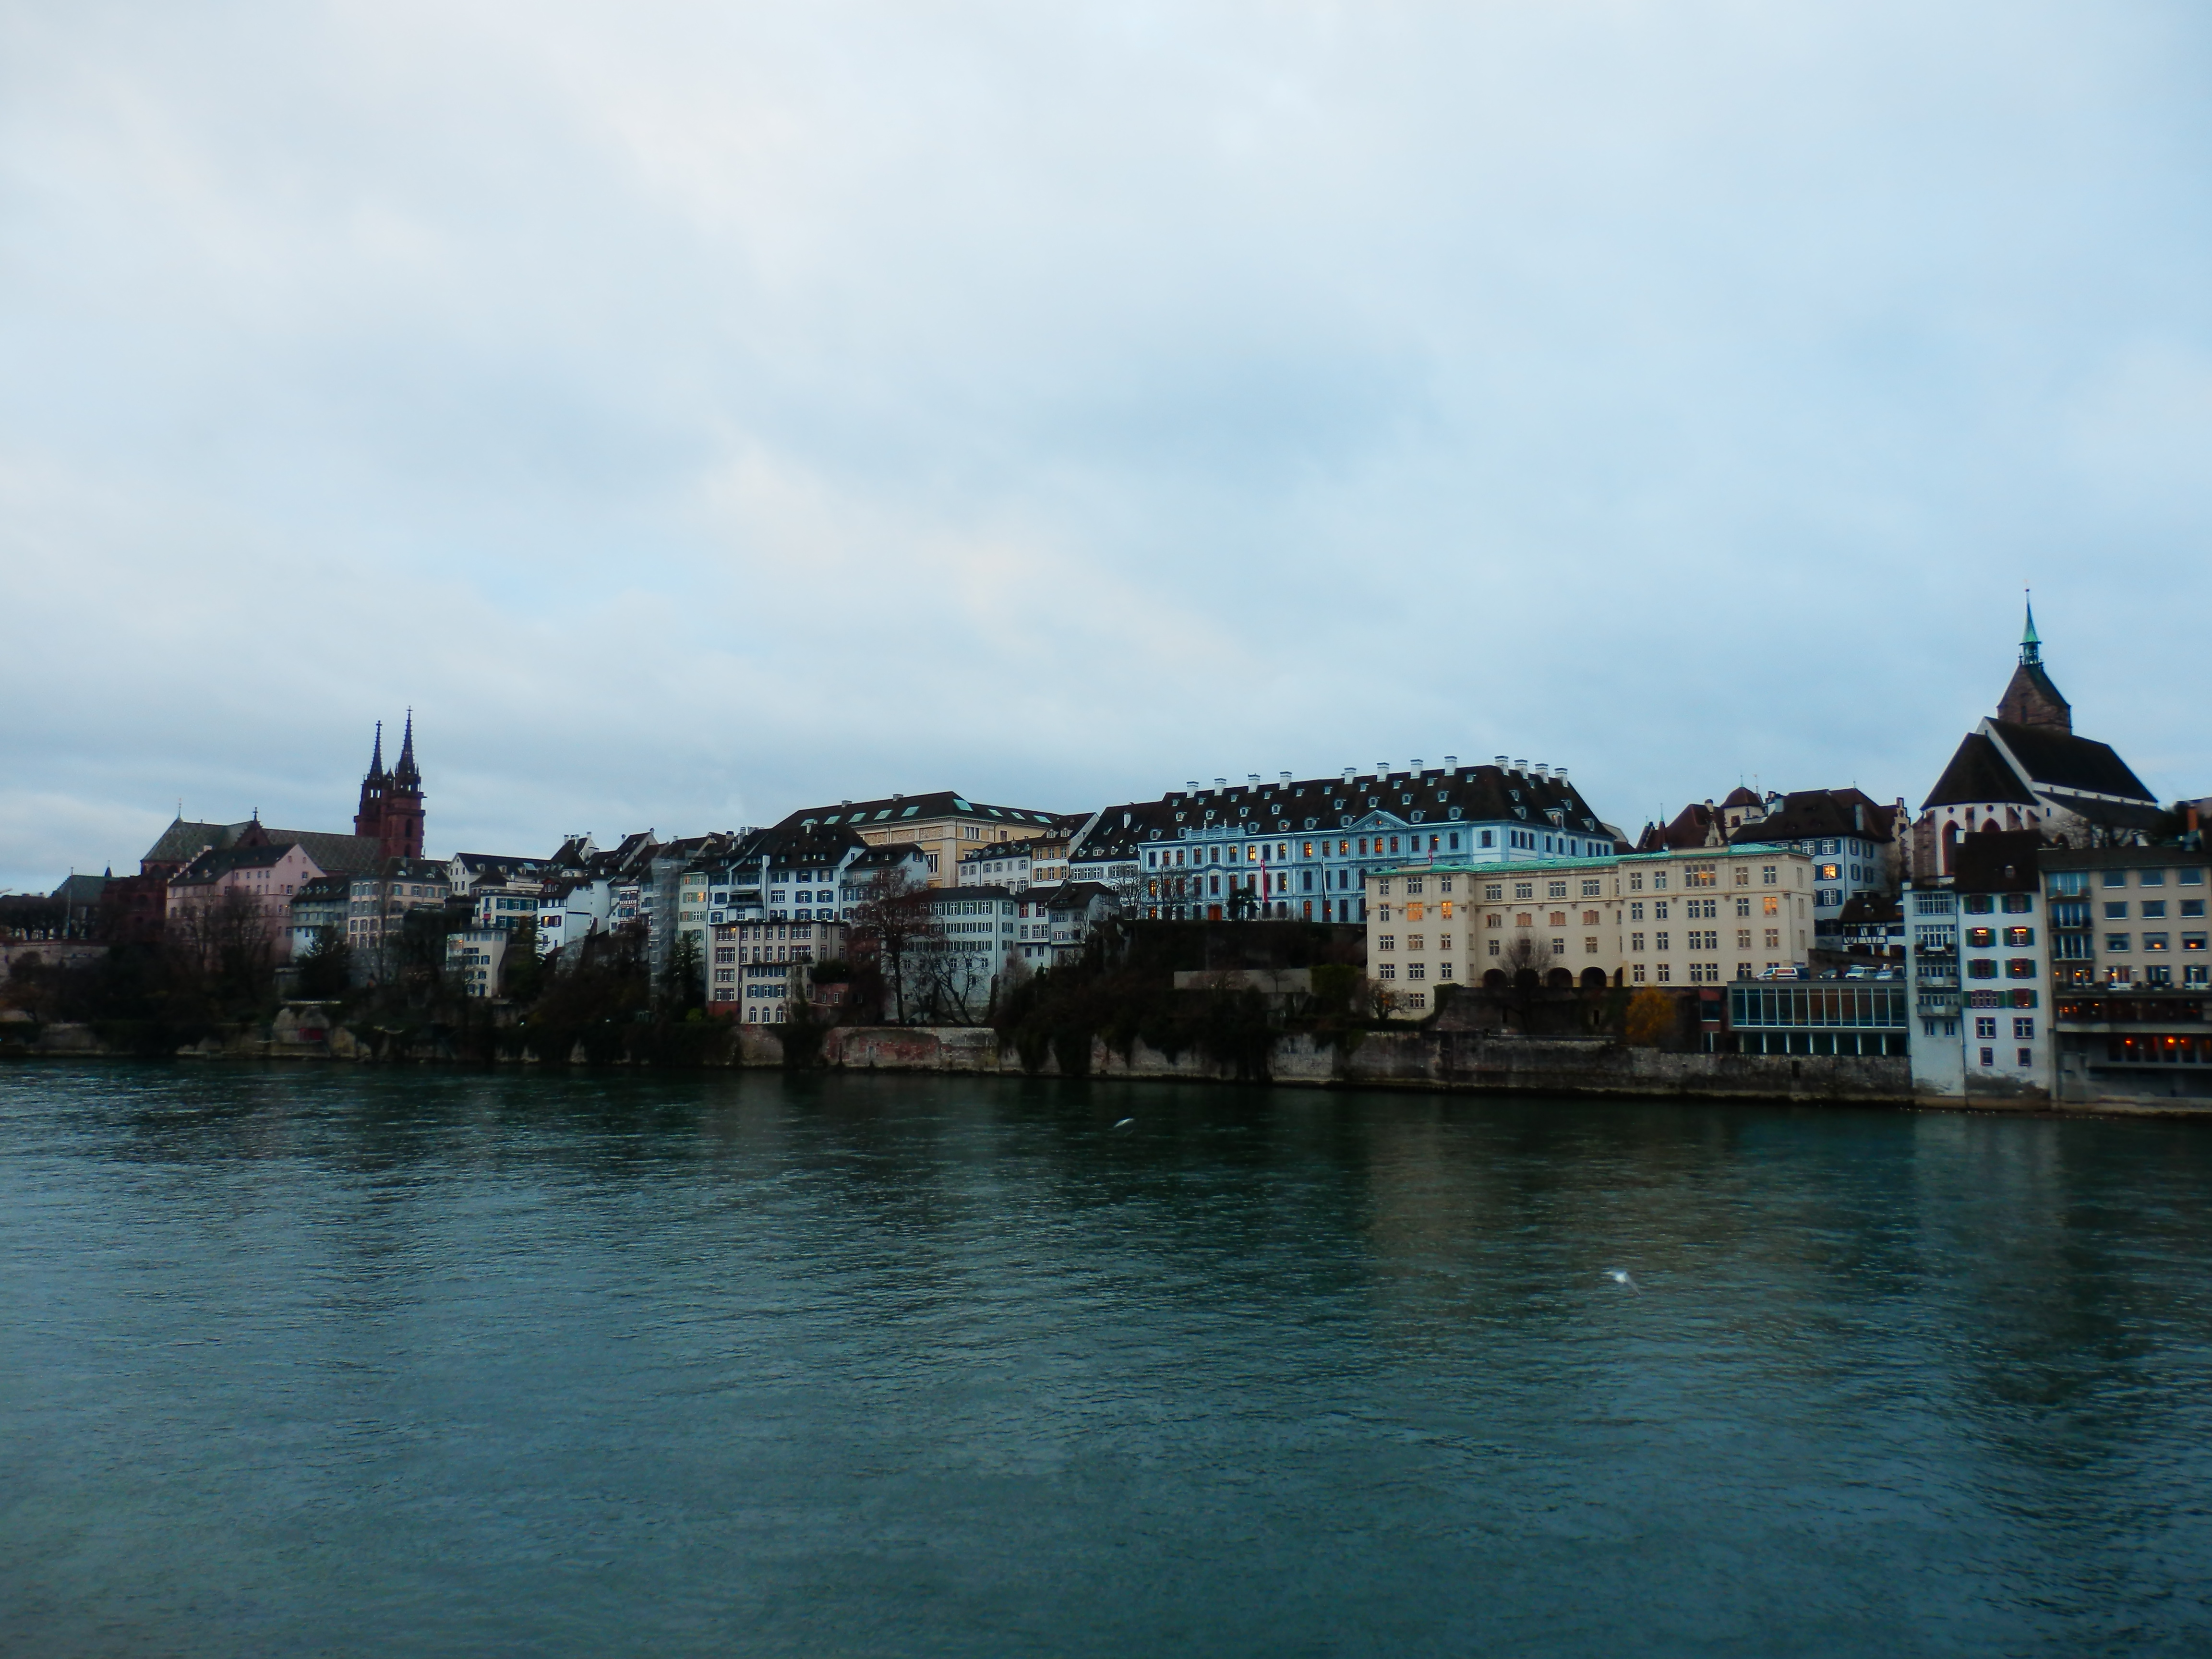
pixel 369 819
pixel 391 802
pixel 2031 699
pixel 403 802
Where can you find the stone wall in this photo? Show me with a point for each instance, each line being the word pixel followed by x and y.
pixel 1416 1060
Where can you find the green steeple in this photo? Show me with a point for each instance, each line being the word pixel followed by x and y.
pixel 2031 646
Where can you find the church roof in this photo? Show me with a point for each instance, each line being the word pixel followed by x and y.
pixel 2059 760
pixel 1978 773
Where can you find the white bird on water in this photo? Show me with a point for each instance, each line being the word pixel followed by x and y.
pixel 1127 1123
pixel 1619 1276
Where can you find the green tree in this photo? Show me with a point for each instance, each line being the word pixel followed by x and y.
pixel 522 972
pixel 327 970
pixel 684 987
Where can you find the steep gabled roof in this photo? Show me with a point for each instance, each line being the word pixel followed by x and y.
pixel 1978 773
pixel 2059 760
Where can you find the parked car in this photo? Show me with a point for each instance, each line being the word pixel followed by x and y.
pixel 1781 973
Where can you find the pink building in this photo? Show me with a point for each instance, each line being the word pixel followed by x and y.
pixel 268 874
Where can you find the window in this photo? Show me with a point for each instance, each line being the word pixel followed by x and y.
pixel 1635 943
pixel 2018 905
pixel 1659 910
pixel 1590 890
pixel 2027 1057
pixel 1636 974
pixel 2192 941
pixel 2192 908
pixel 2157 941
pixel 1524 889
pixel 2150 878
pixel 1989 1056
pixel 1414 941
pixel 2019 938
pixel 1557 889
pixel 1982 968
pixel 1659 941
pixel 1635 881
pixel 1978 904
pixel 1635 911
pixel 1388 970
pixel 2116 911
pixel 2019 968
pixel 2023 1029
pixel 1494 891
pixel 2116 942
pixel 1493 920
pixel 1660 973
pixel 1493 947
pixel 2153 910
pixel 1388 942
pixel 2190 877
pixel 1589 918
pixel 1558 919
pixel 1766 876
pixel 1769 905
pixel 1589 946
pixel 1743 907
pixel 2116 877
pixel 1985 1028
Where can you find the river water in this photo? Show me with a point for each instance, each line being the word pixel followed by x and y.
pixel 397 1363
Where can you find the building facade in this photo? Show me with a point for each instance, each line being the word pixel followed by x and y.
pixel 1666 918
pixel 1305 850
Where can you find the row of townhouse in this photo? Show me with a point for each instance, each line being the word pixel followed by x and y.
pixel 2079 975
pixel 1305 849
pixel 1693 917
pixel 1859 846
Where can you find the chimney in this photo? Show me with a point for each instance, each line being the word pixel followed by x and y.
pixel 1498 761
pixel 1542 770
pixel 1287 777
pixel 1417 766
pixel 1522 767
pixel 1221 783
pixel 1192 785
pixel 1350 773
pixel 1559 775
pixel 1451 764
pixel 1254 778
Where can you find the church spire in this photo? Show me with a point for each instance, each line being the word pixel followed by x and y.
pixel 2031 699
pixel 405 772
pixel 376 758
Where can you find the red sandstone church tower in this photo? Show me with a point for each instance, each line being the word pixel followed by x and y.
pixel 391 802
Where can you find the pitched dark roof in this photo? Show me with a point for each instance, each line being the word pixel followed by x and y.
pixel 2059 760
pixel 183 841
pixel 935 804
pixel 1977 772
pixel 1482 794
pixel 1812 814
pixel 1741 796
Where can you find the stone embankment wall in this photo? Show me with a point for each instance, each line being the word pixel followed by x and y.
pixel 1412 1059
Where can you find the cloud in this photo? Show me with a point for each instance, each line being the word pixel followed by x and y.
pixel 695 412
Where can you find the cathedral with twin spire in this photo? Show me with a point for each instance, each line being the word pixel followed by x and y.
pixel 391 802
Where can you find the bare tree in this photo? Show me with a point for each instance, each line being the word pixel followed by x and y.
pixel 226 941
pixel 895 927
pixel 1526 958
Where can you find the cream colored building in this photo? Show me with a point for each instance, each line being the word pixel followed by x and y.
pixel 943 826
pixel 1692 917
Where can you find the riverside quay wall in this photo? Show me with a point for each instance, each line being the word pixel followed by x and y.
pixel 1411 1059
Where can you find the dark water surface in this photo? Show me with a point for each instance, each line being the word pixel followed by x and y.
pixel 392 1364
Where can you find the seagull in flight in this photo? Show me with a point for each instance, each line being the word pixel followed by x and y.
pixel 1619 1276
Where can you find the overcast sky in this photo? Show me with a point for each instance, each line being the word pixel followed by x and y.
pixel 696 412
